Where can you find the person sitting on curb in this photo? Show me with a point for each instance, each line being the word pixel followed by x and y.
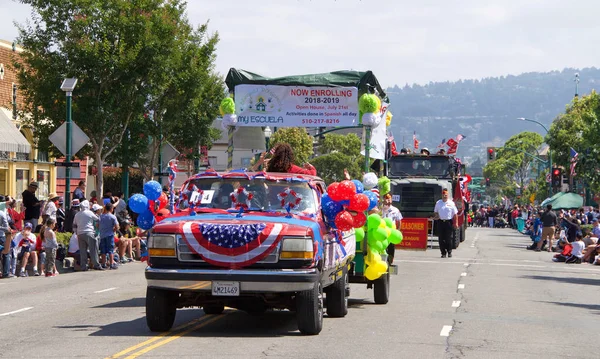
pixel 73 251
pixel 577 252
pixel 26 242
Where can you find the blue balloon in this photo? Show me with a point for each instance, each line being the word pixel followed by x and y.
pixel 330 207
pixel 372 199
pixel 138 203
pixel 359 186
pixel 145 220
pixel 152 190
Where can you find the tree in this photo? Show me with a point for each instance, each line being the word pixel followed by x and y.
pixel 339 152
pixel 125 55
pixel 298 138
pixel 563 134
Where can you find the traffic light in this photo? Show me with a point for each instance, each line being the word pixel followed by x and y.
pixel 491 154
pixel 556 177
pixel 487 182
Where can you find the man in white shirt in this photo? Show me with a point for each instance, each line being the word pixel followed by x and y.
pixel 84 225
pixel 389 211
pixel 445 212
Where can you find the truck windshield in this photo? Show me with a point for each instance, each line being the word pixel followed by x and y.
pixel 407 166
pixel 264 194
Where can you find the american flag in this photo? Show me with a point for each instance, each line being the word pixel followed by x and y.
pixel 232 245
pixel 574 157
pixel 415 141
pixel 441 145
pixel 460 137
pixel 392 142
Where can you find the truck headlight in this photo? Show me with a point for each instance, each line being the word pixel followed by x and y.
pixel 161 245
pixel 296 248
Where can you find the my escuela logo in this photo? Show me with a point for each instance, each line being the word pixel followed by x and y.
pixel 262 100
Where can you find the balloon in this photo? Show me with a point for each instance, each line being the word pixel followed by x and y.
pixel 152 190
pixel 369 180
pixel 344 221
pixel 359 186
pixel 389 223
pixel 330 207
pixel 395 237
pixel 360 234
pixel 373 221
pixel 163 200
pixel 346 189
pixel 376 270
pixel 359 203
pixel 359 220
pixel 138 203
pixel 162 214
pixel 372 199
pixel 380 234
pixel 152 207
pixel 385 243
pixel 145 220
pixel 374 245
pixel 333 192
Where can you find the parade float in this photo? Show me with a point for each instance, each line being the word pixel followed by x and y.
pixel 255 240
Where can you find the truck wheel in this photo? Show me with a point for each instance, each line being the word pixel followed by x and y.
pixel 463 234
pixel 337 297
pixel 455 238
pixel 161 307
pixel 381 289
pixel 309 310
pixel 213 309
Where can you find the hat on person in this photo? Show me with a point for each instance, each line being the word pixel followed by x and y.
pixel 2 198
pixel 52 196
pixel 96 207
pixel 425 149
pixel 75 203
pixel 28 225
pixel 85 204
pixel 34 184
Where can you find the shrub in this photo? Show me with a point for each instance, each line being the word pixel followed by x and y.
pixel 63 238
pixel 112 180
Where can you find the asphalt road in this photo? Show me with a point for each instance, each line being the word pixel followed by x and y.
pixel 493 299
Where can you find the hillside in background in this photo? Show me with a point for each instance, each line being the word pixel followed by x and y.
pixel 484 110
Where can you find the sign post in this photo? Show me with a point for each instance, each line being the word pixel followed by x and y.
pixel 68 86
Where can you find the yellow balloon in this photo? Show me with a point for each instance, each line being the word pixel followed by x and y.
pixel 382 224
pixel 378 104
pixel 388 118
pixel 381 266
pixel 389 231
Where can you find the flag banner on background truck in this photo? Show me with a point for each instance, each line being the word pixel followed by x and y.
pixel 296 106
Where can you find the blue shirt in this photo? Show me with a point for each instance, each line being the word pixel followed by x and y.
pixel 596 231
pixel 108 221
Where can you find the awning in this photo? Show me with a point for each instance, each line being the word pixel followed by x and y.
pixel 11 139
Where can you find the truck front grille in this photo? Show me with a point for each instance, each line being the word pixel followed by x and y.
pixel 185 254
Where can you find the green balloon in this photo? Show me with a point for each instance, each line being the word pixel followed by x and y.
pixel 395 237
pixel 373 221
pixel 360 234
pixel 385 243
pixel 389 223
pixel 380 234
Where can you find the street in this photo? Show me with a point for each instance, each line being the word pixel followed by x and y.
pixel 493 299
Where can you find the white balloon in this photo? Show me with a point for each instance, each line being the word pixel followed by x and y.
pixel 371 119
pixel 228 120
pixel 370 180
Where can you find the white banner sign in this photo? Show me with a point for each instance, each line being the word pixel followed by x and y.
pixel 296 106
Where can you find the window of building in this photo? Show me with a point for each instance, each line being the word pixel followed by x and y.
pixel 246 161
pixel 22 182
pixel 42 156
pixel 22 156
pixel 212 161
pixel 43 179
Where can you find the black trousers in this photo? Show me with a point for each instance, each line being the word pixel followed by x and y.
pixel 445 232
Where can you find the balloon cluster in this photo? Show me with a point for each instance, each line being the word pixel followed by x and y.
pixel 150 206
pixel 381 232
pixel 345 202
pixel 369 105
pixel 227 109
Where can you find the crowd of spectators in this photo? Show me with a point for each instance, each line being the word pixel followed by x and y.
pixel 102 235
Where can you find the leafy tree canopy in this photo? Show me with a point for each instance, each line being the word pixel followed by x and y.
pixel 298 138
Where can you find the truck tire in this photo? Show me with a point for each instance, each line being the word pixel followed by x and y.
pixel 381 289
pixel 463 234
pixel 309 310
pixel 455 238
pixel 161 307
pixel 337 296
pixel 213 309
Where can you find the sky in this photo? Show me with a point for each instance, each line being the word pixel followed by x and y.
pixel 400 41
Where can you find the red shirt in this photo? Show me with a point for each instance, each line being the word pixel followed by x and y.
pixel 17 218
pixel 312 171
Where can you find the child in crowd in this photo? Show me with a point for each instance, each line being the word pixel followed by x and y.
pixel 108 226
pixel 566 252
pixel 26 242
pixel 577 252
pixel 51 246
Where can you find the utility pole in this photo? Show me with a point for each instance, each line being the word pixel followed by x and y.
pixel 68 86
pixel 577 84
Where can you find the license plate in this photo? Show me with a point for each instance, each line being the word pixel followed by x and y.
pixel 226 289
pixel 393 270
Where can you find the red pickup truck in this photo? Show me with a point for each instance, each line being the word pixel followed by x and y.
pixel 251 241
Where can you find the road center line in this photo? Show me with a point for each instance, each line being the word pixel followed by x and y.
pixel 446 331
pixel 466 264
pixel 463 274
pixel 105 290
pixel 461 286
pixel 16 311
pixel 456 304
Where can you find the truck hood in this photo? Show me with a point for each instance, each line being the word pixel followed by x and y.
pixel 433 181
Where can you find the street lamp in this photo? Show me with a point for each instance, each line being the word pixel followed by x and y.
pixel 68 86
pixel 549 149
pixel 268 134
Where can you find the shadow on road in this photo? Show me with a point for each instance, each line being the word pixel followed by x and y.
pixel 129 303
pixel 358 303
pixel 571 280
pixel 239 324
pixel 595 307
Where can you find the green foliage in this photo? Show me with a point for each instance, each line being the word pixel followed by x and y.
pixel 227 106
pixel 339 152
pixel 347 144
pixel 63 238
pixel 112 180
pixel 298 138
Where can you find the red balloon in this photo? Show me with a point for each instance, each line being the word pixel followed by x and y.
pixel 346 190
pixel 162 214
pixel 333 192
pixel 152 207
pixel 359 219
pixel 344 221
pixel 163 200
pixel 359 203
